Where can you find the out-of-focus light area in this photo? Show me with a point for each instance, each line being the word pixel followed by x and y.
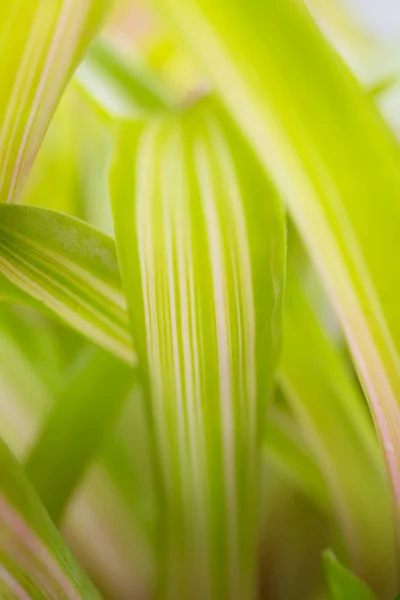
pixel 380 17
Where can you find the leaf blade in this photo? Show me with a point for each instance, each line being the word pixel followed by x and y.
pixel 119 89
pixel 41 44
pixel 331 189
pixel 70 268
pixel 181 230
pixel 34 558
pixel 342 583
pixel 329 409
pixel 84 412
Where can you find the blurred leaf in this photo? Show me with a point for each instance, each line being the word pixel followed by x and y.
pixel 120 88
pixel 334 420
pixel 41 44
pixel 343 585
pixel 202 261
pixel 333 159
pixel 34 561
pixel 70 268
pixel 83 414
pixel 285 448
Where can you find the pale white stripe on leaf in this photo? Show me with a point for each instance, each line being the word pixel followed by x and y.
pixel 196 244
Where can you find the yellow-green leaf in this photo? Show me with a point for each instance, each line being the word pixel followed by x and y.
pixel 68 267
pixel 287 449
pixel 34 561
pixel 330 410
pixel 343 585
pixel 333 160
pixel 117 87
pixel 84 411
pixel 41 42
pixel 201 247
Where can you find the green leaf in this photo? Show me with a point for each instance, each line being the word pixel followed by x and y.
pixel 331 412
pixel 333 159
pixel 202 260
pixel 35 562
pixel 70 268
pixel 343 585
pixel 83 414
pixel 120 89
pixel 285 448
pixel 41 44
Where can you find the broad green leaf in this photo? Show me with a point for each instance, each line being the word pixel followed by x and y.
pixel 330 410
pixel 343 585
pixel 83 414
pixel 41 43
pixel 117 87
pixel 34 561
pixel 202 258
pixel 70 268
pixel 285 448
pixel 333 160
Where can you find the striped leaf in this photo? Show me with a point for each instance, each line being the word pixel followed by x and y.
pixel 68 267
pixel 40 45
pixel 332 158
pixel 34 561
pixel 201 257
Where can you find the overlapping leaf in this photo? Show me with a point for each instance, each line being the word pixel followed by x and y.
pixel 34 562
pixel 201 258
pixel 329 408
pixel 343 585
pixel 68 267
pixel 331 157
pixel 84 412
pixel 118 88
pixel 285 448
pixel 40 45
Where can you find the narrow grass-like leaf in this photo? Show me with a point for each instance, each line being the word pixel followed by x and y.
pixel 332 158
pixel 83 414
pixel 40 45
pixel 34 561
pixel 202 258
pixel 70 268
pixel 330 410
pixel 117 87
pixel 343 585
pixel 285 448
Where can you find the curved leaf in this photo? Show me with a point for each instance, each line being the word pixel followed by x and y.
pixel 330 410
pixel 342 194
pixel 118 88
pixel 70 268
pixel 84 412
pixel 343 585
pixel 285 448
pixel 41 43
pixel 34 561
pixel 202 259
